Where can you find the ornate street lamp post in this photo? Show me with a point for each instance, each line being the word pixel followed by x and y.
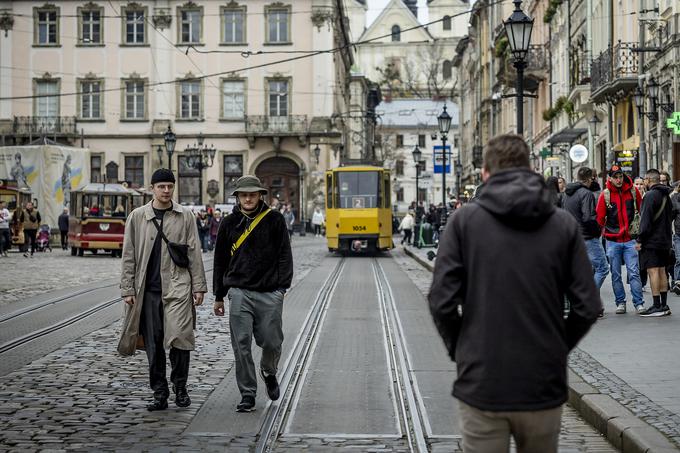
pixel 518 29
pixel 199 157
pixel 444 121
pixel 417 155
pixel 317 153
pixel 170 140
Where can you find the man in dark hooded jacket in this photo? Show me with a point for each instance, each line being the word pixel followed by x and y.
pixel 656 217
pixel 505 264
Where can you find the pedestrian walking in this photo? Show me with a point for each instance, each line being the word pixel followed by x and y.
pixel 505 264
pixel 253 269
pixel 406 227
pixel 63 228
pixel 618 213
pixel 203 225
pixel 289 217
pixel 318 221
pixel 214 227
pixel 554 188
pixel 654 240
pixel 5 240
pixel 579 201
pixel 162 281
pixel 31 220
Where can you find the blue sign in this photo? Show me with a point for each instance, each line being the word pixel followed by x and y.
pixel 437 157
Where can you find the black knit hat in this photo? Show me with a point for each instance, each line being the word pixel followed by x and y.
pixel 162 175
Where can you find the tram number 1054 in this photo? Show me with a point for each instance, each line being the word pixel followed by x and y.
pixel 359 228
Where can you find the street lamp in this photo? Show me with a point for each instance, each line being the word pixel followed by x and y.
pixel 199 157
pixel 444 120
pixel 417 155
pixel 518 28
pixel 593 123
pixel 170 140
pixel 317 153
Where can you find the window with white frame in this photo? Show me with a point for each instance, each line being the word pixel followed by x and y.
pixel 278 25
pixel 447 69
pixel 90 99
pixel 446 23
pixel 135 26
pixel 135 100
pixel 134 170
pixel 46 26
pixel 91 26
pixel 233 99
pixel 190 25
pixel 190 99
pixel 47 101
pixel 278 98
pixel 233 25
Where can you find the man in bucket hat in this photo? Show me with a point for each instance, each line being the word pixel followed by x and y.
pixel 253 269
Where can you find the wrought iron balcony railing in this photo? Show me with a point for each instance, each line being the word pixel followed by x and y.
pixel 537 58
pixel 579 72
pixel 618 62
pixel 39 125
pixel 262 124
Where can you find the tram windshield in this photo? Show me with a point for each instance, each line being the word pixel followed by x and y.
pixel 98 205
pixel 358 189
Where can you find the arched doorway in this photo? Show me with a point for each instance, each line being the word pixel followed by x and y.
pixel 282 177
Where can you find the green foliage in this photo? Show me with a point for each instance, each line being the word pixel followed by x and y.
pixel 562 104
pixel 552 10
pixel 502 46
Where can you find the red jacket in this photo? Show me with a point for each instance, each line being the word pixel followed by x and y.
pixel 615 218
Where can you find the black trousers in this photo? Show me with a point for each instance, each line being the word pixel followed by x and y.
pixel 5 240
pixel 64 239
pixel 29 236
pixel 151 328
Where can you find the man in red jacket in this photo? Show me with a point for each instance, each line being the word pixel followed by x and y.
pixel 616 209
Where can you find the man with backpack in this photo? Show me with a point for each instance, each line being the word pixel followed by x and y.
pixel 618 212
pixel 655 240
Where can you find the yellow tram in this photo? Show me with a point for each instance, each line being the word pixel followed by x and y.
pixel 358 209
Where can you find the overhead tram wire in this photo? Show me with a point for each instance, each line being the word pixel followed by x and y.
pixel 247 68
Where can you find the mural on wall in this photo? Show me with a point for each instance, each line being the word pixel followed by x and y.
pixel 50 172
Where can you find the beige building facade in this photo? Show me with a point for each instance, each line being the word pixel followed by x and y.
pixel 255 80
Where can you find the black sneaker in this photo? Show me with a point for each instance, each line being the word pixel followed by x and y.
pixel 654 312
pixel 247 404
pixel 181 396
pixel 666 309
pixel 272 385
pixel 676 288
pixel 157 405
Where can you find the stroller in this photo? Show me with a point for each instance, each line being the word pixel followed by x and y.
pixel 42 241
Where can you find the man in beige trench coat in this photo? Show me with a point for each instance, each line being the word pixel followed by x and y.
pixel 160 296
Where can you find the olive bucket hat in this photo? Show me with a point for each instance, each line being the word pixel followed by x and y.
pixel 248 183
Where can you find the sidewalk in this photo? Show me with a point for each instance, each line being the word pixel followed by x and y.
pixel 625 375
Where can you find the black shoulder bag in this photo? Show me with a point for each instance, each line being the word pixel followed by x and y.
pixel 179 253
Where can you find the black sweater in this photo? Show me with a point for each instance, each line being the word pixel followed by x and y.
pixel 263 262
pixel 579 201
pixel 656 234
pixel 510 258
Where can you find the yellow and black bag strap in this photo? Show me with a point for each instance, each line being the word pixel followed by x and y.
pixel 248 230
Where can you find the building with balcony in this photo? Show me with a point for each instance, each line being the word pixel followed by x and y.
pixel 114 76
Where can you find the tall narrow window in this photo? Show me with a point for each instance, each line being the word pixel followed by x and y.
pixel 46 105
pixel 135 26
pixel 190 26
pixel 233 26
pixel 446 23
pixel 96 167
pixel 233 169
pixel 278 98
pixel 396 33
pixel 446 69
pixel 188 191
pixel 278 25
pixel 134 100
pixel 233 103
pixel 190 100
pixel 421 141
pixel 90 26
pixel 90 99
pixel 400 141
pixel 134 170
pixel 46 27
pixel 399 167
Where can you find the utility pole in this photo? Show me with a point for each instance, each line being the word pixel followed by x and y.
pixel 642 155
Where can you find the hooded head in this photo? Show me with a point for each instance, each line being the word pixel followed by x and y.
pixel 512 192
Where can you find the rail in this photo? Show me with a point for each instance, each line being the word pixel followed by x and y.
pixel 40 125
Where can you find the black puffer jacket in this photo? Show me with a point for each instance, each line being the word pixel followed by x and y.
pixel 656 234
pixel 675 198
pixel 510 258
pixel 263 262
pixel 579 201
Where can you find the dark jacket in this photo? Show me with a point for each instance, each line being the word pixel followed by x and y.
pixel 616 217
pixel 510 258
pixel 675 198
pixel 579 201
pixel 656 234
pixel 263 262
pixel 63 222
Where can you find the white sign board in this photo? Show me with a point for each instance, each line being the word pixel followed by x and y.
pixel 578 153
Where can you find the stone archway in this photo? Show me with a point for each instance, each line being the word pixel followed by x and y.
pixel 281 176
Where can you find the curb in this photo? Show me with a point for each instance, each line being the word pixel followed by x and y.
pixel 620 426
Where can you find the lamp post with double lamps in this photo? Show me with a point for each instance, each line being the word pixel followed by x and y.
pixel 518 29
pixel 199 157
pixel 170 140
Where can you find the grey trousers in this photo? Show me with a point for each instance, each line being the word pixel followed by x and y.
pixel 489 432
pixel 255 314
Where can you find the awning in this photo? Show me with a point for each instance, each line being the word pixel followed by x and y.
pixel 567 135
pixel 629 144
